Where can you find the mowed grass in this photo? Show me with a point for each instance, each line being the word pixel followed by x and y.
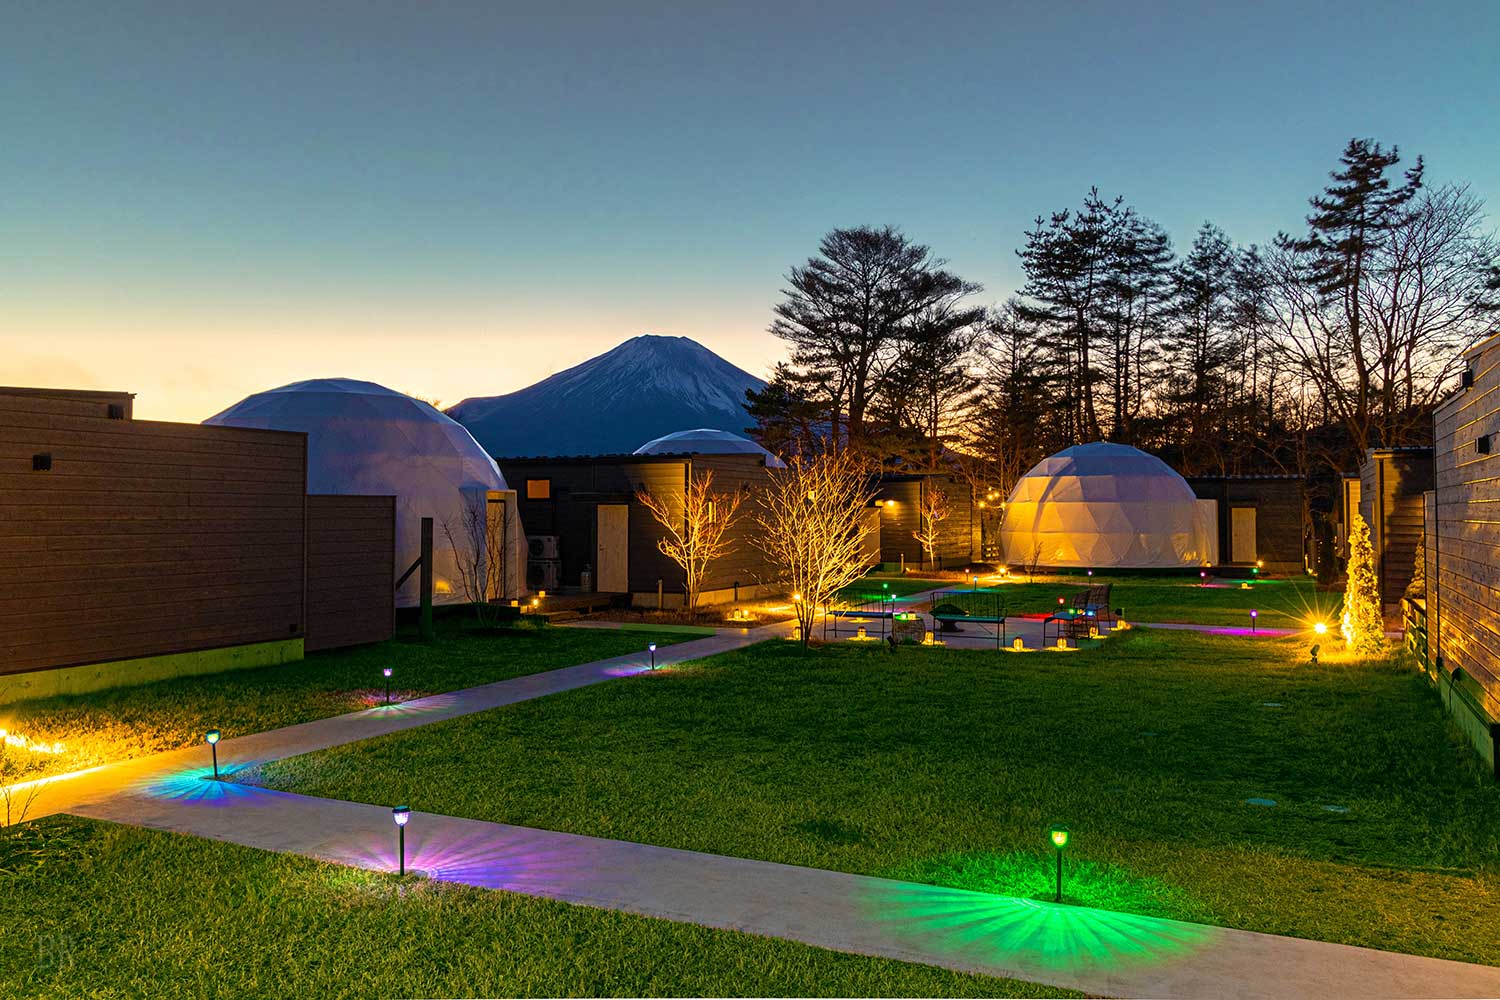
pixel 126 912
pixel 128 722
pixel 1282 603
pixel 872 588
pixel 947 766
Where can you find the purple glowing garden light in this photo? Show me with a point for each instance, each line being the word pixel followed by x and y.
pixel 401 814
pixel 387 672
pixel 1253 615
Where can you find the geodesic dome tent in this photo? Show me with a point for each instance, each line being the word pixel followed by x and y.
pixel 363 438
pixel 707 441
pixel 1107 505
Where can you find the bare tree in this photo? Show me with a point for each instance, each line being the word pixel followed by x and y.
pixel 694 527
pixel 479 551
pixel 811 516
pixel 932 511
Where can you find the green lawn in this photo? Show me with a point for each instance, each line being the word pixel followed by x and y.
pixel 872 587
pixel 946 766
pixel 116 911
pixel 1282 603
pixel 128 722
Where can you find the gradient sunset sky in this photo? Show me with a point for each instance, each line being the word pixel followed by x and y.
pixel 206 200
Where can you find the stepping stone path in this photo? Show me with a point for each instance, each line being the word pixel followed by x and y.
pixel 1260 802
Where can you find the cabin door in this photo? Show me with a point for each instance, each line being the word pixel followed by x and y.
pixel 611 566
pixel 1242 535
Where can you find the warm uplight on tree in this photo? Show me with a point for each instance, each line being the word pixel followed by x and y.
pixel 1363 625
pixel 694 528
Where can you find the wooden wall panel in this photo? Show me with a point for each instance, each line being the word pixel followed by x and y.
pixel 1279 517
pixel 1463 557
pixel 899 521
pixel 145 538
pixel 351 570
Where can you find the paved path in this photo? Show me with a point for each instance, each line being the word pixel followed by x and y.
pixel 65 792
pixel 1099 952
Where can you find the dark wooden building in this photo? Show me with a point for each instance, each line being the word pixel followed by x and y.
pixel 1261 519
pixel 960 534
pixel 1391 484
pixel 587 529
pixel 134 549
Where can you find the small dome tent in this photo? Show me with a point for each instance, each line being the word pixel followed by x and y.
pixel 1106 505
pixel 363 438
pixel 707 441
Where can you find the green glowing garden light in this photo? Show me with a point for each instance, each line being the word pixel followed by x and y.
pixel 401 814
pixel 212 738
pixel 1059 836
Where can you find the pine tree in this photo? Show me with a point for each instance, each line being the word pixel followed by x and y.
pixel 1364 625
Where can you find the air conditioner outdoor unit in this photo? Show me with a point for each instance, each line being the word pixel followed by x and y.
pixel 543 574
pixel 543 546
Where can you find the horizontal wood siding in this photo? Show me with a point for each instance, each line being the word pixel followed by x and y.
pixel 351 570
pixel 1463 567
pixel 1391 488
pixel 900 521
pixel 145 538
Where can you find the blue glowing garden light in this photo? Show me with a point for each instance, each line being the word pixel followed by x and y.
pixel 652 650
pixel 387 672
pixel 401 814
pixel 212 738
pixel 1059 836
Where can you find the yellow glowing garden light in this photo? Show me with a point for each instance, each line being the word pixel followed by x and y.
pixel 1018 645
pixel 401 814
pixel 212 739
pixel 1321 628
pixel 1059 836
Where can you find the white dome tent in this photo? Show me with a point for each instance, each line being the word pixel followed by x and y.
pixel 363 438
pixel 707 441
pixel 1105 505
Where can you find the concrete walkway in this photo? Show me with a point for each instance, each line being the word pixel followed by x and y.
pixel 1096 951
pixel 64 793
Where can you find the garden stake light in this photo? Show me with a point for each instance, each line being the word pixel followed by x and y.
pixel 1059 837
pixel 652 649
pixel 401 814
pixel 212 736
pixel 1253 615
pixel 387 672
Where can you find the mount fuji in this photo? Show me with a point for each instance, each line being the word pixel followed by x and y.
pixel 614 403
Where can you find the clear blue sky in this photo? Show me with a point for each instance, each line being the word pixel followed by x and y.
pixel 202 200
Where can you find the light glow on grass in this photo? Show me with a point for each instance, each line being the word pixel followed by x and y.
pixel 30 746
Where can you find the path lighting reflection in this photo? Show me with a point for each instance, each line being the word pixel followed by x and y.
pixel 212 738
pixel 401 814
pixel 1059 836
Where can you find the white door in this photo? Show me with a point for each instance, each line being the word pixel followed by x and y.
pixel 1242 535
pixel 611 566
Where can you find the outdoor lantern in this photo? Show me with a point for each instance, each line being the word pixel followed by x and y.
pixel 1203 575
pixel 797 633
pixel 212 737
pixel 401 814
pixel 927 640
pixel 1017 644
pixel 652 650
pixel 974 582
pixel 1320 627
pixel 387 672
pixel 1091 572
pixel 1062 643
pixel 1059 600
pixel 861 634
pixel 1253 615
pixel 1059 836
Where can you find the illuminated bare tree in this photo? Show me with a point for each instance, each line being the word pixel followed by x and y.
pixel 478 545
pixel 932 511
pixel 695 529
pixel 810 517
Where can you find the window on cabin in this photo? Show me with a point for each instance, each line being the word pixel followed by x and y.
pixel 538 489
